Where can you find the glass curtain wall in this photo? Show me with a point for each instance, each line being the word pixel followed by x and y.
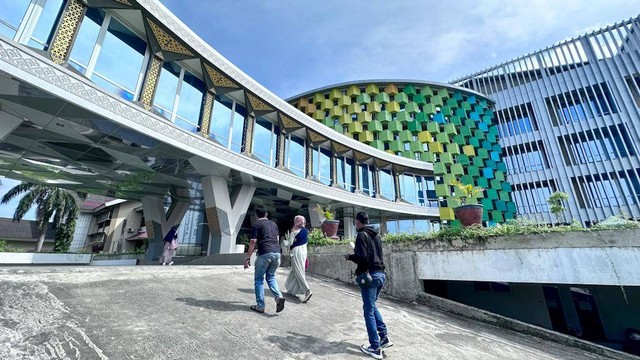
pixel 265 136
pixel 367 174
pixel 30 22
pixel 227 122
pixel 386 185
pixel 346 175
pixel 295 154
pixel 110 54
pixel 322 165
pixel 179 96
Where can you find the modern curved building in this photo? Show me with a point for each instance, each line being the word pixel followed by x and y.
pixel 120 98
pixel 443 125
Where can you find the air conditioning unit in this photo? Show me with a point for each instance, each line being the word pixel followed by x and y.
pixel 130 230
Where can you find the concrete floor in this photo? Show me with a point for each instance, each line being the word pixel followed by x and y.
pixel 202 312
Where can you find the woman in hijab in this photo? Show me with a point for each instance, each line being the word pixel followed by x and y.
pixel 296 282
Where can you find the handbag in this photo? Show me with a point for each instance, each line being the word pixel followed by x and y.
pixel 364 279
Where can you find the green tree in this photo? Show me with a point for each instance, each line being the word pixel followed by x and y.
pixel 52 203
pixel 556 200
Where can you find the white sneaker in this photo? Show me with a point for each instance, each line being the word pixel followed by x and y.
pixel 307 296
pixel 171 263
pixel 374 353
pixel 164 263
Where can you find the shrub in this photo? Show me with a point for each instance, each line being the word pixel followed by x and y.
pixel 3 246
pixel 317 238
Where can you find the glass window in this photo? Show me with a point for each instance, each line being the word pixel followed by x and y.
pixel 221 119
pixel 346 177
pixel 409 188
pixel 366 179
pixel 324 166
pixel 114 61
pixel 392 226
pixel 239 115
pixel 13 12
pixel 44 26
pixel 263 141
pixel 190 103
pixel 86 40
pixel 386 185
pixel 295 154
pixel 165 97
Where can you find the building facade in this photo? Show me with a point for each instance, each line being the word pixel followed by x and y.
pixel 120 98
pixel 569 120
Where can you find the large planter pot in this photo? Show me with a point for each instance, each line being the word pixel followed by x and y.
pixel 469 214
pixel 330 228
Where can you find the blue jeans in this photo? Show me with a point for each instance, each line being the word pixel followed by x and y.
pixel 376 329
pixel 266 264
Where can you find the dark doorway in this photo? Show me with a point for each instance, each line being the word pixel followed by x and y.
pixel 554 306
pixel 436 287
pixel 588 314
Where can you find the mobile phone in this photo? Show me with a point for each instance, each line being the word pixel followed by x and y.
pixel 352 244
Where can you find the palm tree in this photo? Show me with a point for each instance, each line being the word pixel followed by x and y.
pixel 51 202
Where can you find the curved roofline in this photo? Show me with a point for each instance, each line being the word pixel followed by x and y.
pixel 390 81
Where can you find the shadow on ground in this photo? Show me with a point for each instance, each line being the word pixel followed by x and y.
pixel 218 305
pixel 299 343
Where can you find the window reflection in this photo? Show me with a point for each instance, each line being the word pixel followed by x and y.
pixel 12 14
pixel 295 155
pixel 239 114
pixel 386 185
pixel 324 166
pixel 264 140
pixel 346 176
pixel 44 27
pixel 114 61
pixel 221 119
pixel 367 174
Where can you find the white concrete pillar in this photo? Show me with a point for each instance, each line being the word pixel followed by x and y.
pixel 225 213
pixel 158 222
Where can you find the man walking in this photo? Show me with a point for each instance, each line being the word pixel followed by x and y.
pixel 265 235
pixel 368 255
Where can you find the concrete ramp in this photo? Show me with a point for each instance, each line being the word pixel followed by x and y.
pixel 202 312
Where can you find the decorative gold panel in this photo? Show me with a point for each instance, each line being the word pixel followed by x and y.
pixel 361 156
pixel 258 104
pixel 288 123
pixel 150 230
pixel 247 138
pixel 339 148
pixel 166 42
pixel 280 151
pixel 218 79
pixel 381 164
pixel 316 138
pixel 61 44
pixel 206 114
pixel 126 2
pixel 150 82
pixel 212 219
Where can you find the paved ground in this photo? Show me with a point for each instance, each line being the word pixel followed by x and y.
pixel 202 312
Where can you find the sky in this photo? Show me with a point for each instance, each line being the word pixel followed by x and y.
pixel 293 46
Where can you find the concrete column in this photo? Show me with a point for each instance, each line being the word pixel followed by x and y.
pixel 158 222
pixel 383 225
pixel 151 77
pixel 247 135
pixel 308 164
pixel 225 213
pixel 348 226
pixel 207 110
pixel 66 32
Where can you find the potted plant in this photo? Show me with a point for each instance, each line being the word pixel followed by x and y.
pixel 328 224
pixel 468 214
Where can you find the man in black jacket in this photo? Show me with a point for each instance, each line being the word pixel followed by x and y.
pixel 368 256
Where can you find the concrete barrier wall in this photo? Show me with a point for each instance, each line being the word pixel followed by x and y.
pixel 602 257
pixel 44 259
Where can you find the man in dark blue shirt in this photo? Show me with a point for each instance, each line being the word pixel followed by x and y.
pixel 265 235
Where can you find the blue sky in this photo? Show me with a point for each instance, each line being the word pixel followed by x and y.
pixel 294 46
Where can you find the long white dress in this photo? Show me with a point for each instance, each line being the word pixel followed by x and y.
pixel 296 281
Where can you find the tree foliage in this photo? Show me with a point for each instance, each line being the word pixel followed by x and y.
pixel 52 203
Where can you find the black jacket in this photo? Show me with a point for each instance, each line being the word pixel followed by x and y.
pixel 368 259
